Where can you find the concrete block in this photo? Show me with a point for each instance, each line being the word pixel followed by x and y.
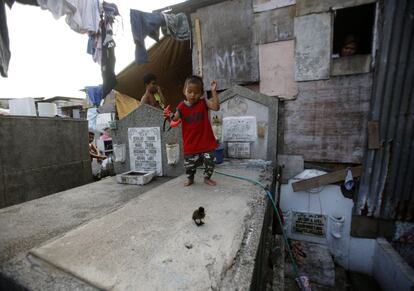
pixel 47 109
pixel 390 269
pixel 28 184
pixel 352 65
pixel 291 166
pixel 22 106
pixel 276 62
pixel 41 156
pixel 107 251
pixel 304 7
pixel 135 177
pixel 274 25
pixel 361 255
pixel 313 46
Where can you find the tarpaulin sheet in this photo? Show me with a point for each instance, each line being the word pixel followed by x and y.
pixel 170 60
pixel 125 104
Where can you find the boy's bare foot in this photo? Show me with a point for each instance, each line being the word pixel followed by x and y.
pixel 189 182
pixel 210 182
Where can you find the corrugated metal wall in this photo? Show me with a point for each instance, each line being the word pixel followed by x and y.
pixel 387 184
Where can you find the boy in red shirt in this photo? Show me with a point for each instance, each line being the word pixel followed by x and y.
pixel 198 138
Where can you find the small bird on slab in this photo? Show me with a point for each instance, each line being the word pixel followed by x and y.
pixel 198 216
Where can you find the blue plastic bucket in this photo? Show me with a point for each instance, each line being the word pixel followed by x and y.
pixel 219 154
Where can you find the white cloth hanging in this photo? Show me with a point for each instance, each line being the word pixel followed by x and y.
pixel 81 15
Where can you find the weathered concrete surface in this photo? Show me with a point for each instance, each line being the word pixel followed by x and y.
pixel 352 65
pixel 41 156
pixel 228 61
pixel 327 121
pixel 266 5
pixel 291 166
pixel 274 25
pixel 151 243
pixel 304 7
pixel 276 69
pixel 29 224
pixel 313 46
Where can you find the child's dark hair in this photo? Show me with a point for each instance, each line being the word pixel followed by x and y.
pixel 196 80
pixel 148 78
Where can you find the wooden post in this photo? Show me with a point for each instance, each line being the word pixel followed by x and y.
pixel 199 46
pixel 373 135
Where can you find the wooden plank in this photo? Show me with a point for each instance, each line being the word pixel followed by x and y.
pixel 225 60
pixel 272 4
pixel 373 135
pixel 199 47
pixel 325 179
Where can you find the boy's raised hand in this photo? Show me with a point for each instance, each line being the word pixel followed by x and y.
pixel 213 85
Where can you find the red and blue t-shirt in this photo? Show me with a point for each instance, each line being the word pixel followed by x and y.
pixel 197 133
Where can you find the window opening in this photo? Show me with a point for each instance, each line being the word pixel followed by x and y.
pixel 353 30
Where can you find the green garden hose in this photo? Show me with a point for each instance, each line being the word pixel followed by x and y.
pixel 269 195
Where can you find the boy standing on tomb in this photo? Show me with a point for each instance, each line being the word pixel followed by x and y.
pixel 198 138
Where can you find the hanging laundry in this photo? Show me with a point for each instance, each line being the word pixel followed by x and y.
pixel 144 24
pixel 94 94
pixel 94 47
pixel 4 40
pixel 29 2
pixel 108 62
pixel 58 8
pixel 91 116
pixel 110 10
pixel 349 180
pixel 4 34
pixel 81 16
pixel 176 26
pixel 95 41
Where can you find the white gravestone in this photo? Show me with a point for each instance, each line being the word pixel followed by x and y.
pixel 240 129
pixel 145 149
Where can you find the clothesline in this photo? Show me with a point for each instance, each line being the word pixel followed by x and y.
pixel 96 18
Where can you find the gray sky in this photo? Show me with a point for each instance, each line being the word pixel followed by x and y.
pixel 49 59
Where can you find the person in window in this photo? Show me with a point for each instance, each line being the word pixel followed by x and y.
pixel 349 46
pixel 153 95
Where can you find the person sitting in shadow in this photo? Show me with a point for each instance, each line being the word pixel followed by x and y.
pixel 350 46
